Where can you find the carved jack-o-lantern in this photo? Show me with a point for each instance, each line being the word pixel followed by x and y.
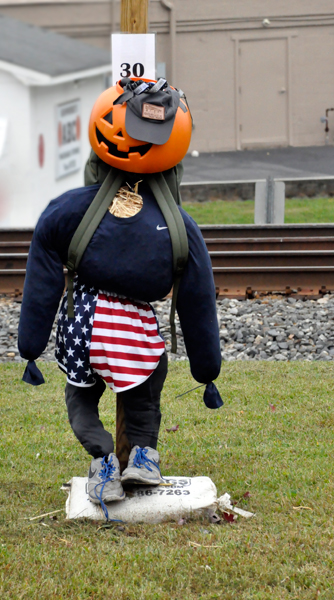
pixel 111 142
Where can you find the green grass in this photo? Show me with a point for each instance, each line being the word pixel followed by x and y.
pixel 273 462
pixel 230 212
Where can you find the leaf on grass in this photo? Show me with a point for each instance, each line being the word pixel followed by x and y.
pixel 174 428
pixel 272 407
pixel 228 517
pixel 246 495
pixel 302 508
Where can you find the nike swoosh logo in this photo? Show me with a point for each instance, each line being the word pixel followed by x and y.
pixel 160 228
pixel 91 473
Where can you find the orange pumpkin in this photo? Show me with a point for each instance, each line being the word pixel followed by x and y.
pixel 110 141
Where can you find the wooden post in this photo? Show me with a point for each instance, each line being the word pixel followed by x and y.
pixel 134 16
pixel 134 19
pixel 123 447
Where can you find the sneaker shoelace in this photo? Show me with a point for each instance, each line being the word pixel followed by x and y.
pixel 141 460
pixel 107 470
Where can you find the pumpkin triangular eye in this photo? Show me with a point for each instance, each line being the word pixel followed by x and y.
pixel 119 134
pixel 108 117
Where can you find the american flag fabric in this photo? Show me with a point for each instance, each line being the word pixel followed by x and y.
pixel 113 336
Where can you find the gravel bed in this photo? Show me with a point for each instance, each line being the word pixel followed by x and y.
pixel 9 321
pixel 270 328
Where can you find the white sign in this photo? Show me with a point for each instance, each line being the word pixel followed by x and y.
pixel 132 55
pixel 68 123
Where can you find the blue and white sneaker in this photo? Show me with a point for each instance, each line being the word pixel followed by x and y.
pixel 104 480
pixel 143 467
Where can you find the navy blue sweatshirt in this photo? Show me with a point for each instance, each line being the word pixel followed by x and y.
pixel 131 257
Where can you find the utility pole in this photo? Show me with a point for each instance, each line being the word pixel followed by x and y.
pixel 134 16
pixel 134 19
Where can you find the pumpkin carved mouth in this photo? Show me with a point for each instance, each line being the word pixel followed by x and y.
pixel 113 150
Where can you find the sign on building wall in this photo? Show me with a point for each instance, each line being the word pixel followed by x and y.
pixel 132 55
pixel 68 121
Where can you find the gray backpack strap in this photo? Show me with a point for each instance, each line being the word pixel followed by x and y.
pixel 87 227
pixel 173 179
pixel 179 238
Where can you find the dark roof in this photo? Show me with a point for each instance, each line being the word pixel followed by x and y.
pixel 46 52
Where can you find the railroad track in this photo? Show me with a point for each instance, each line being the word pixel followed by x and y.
pixel 246 259
pixel 291 258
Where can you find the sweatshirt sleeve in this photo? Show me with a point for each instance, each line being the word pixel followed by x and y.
pixel 43 288
pixel 196 307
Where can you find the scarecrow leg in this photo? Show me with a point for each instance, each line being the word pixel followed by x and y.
pixel 138 414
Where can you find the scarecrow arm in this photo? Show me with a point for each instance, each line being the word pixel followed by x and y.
pixel 196 307
pixel 43 288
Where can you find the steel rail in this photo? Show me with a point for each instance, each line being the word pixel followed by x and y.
pixel 246 259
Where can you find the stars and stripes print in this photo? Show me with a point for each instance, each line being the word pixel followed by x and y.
pixel 110 335
pixel 73 335
pixel 125 345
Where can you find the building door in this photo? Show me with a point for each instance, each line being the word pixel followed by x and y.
pixel 263 92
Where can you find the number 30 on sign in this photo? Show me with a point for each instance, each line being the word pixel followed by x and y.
pixel 132 55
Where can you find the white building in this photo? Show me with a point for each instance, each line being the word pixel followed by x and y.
pixel 48 85
pixel 257 73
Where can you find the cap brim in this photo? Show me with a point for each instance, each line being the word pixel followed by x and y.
pixel 146 131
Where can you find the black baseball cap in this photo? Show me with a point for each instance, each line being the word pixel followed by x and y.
pixel 150 111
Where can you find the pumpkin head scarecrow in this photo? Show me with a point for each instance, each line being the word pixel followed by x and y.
pixel 126 243
pixel 143 128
